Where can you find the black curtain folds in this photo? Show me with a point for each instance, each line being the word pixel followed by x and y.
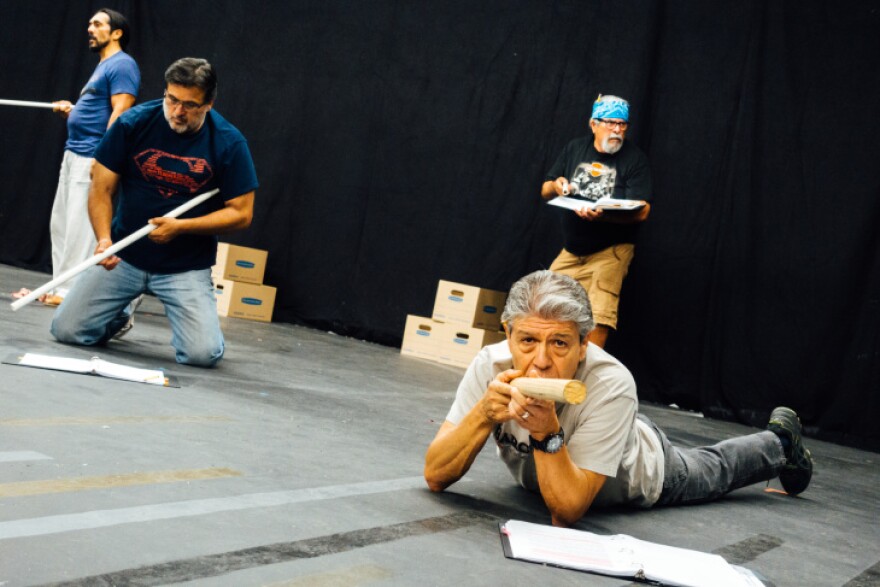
pixel 401 143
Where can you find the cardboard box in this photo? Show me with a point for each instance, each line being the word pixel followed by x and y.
pixel 244 300
pixel 237 263
pixel 458 345
pixel 420 337
pixel 449 344
pixel 457 303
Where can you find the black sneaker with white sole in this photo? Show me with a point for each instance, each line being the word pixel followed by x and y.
pixel 798 469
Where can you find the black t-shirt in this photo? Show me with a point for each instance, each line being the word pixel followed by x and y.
pixel 593 174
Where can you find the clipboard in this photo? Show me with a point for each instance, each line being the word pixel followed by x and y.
pixel 619 555
pixel 605 204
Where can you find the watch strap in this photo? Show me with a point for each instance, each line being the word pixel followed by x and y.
pixel 541 445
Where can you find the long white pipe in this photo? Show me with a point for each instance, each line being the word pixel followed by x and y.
pixel 27 103
pixel 111 250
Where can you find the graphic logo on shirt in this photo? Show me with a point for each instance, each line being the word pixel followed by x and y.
pixel 173 174
pixel 91 86
pixel 592 181
pixel 503 439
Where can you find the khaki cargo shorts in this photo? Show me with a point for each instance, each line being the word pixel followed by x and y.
pixel 601 274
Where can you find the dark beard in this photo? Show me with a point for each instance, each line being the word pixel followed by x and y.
pixel 98 46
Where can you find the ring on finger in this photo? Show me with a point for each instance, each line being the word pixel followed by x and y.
pixel 526 415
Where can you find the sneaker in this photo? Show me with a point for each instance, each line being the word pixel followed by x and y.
pixel 129 324
pixel 798 469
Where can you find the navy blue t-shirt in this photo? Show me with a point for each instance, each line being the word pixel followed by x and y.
pixel 118 74
pixel 161 170
pixel 630 173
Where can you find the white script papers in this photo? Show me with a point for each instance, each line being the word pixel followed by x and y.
pixel 93 366
pixel 618 555
pixel 606 203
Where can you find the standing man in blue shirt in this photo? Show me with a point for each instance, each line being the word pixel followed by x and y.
pixel 163 153
pixel 110 91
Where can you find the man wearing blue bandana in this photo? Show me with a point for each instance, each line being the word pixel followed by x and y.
pixel 599 242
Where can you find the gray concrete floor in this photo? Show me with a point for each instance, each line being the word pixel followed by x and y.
pixel 298 462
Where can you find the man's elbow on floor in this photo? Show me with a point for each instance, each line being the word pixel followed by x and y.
pixel 561 522
pixel 435 487
pixel 436 484
pixel 564 519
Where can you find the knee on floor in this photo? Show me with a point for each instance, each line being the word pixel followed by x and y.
pixel 200 357
pixel 67 331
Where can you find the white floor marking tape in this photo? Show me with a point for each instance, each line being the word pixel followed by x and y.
pixel 163 511
pixel 22 455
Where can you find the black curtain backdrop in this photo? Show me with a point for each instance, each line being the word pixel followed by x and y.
pixel 399 143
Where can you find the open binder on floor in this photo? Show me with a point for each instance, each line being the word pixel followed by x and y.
pixel 94 366
pixel 620 555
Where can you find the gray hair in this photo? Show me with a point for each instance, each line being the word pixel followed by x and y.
pixel 192 72
pixel 551 296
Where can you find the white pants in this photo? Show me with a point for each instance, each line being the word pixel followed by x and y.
pixel 73 239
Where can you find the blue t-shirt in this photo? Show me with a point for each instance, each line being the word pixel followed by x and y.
pixel 160 170
pixel 118 74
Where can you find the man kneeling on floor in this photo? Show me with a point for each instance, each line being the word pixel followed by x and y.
pixel 163 153
pixel 601 451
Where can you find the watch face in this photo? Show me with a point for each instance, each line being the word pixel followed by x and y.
pixel 554 443
pixel 551 444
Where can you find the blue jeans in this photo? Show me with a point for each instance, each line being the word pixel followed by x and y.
pixel 96 308
pixel 697 475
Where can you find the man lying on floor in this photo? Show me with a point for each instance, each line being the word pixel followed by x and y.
pixel 601 451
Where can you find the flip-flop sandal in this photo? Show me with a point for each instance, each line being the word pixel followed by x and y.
pixel 21 293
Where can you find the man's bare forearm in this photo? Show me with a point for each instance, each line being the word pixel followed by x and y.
pixel 100 205
pixel 218 222
pixel 454 449
pixel 567 490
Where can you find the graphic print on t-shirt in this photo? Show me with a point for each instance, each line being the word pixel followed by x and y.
pixel 173 174
pixel 91 85
pixel 592 181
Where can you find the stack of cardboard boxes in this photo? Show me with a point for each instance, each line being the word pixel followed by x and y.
pixel 238 283
pixel 465 319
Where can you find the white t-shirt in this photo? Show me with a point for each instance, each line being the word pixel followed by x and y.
pixel 602 433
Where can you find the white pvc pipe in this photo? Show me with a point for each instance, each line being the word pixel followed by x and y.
pixel 111 250
pixel 28 104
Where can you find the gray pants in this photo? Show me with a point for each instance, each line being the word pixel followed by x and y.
pixel 696 475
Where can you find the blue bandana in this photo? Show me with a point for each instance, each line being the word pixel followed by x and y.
pixel 610 108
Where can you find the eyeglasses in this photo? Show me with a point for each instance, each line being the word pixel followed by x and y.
pixel 613 123
pixel 187 106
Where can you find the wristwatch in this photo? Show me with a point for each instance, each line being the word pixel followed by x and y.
pixel 553 443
